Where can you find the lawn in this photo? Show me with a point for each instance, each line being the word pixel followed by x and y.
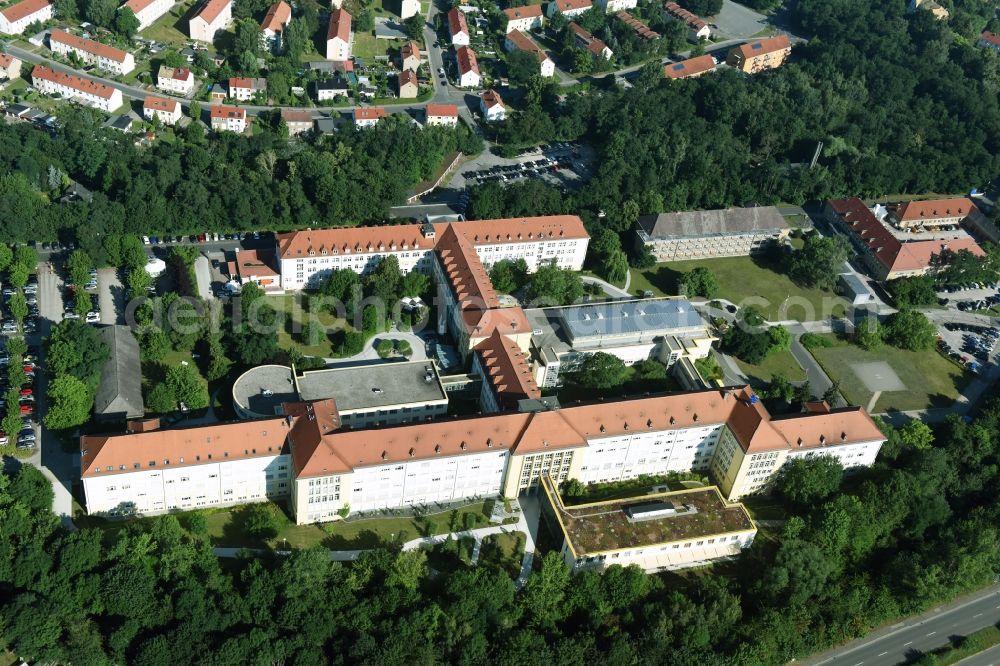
pixel 294 316
pixel 504 551
pixel 366 46
pixel 571 392
pixel 776 363
pixel 172 27
pixel 747 281
pixel 931 379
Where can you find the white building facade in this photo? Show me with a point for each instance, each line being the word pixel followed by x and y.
pixel 91 52
pixel 148 11
pixel 215 15
pixel 15 19
pixel 85 91
pixel 177 80
pixel 168 111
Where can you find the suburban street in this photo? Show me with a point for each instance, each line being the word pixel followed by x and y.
pixel 989 657
pixel 906 640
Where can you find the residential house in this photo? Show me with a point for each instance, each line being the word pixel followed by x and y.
pixel 442 114
pixel 638 26
pixel 297 120
pixel 468 68
pixel 368 116
pixel 888 255
pixel 91 52
pixel 458 27
pixel 525 18
pixel 596 46
pixel 492 107
pixel 760 55
pixel 15 18
pixel 338 36
pixel 568 8
pixel 697 27
pixel 148 11
pixel 706 234
pixel 167 110
pixel 936 9
pixel 409 56
pixel 177 80
pixel 228 118
pixel 85 91
pixel 332 88
pixel 256 267
pixel 690 68
pixel 517 40
pixel 244 89
pixel 408 8
pixel 989 40
pixel 272 28
pixel 10 67
pixel 119 394
pixel 217 94
pixel 407 82
pixel 214 15
pixel 120 122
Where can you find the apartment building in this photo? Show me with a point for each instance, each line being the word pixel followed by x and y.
pixel 10 67
pixel 148 11
pixel 468 68
pixel 690 68
pixel 458 27
pixel 596 46
pixel 568 8
pixel 176 80
pixel 888 255
pixel 214 15
pixel 525 18
pixel 760 55
pixel 492 107
pixel 705 234
pixel 697 27
pixel 85 91
pixel 657 532
pixel 167 110
pixel 91 52
pixel 668 330
pixel 519 41
pixel 15 18
pixel 615 6
pixel 339 36
pixel 228 118
pixel 506 373
pixel 932 213
pixel 409 56
pixel 243 89
pixel 181 469
pixel 366 117
pixel 726 432
pixel 442 114
pixel 272 28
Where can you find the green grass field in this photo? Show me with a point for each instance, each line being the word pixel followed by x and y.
pixel 776 363
pixel 367 46
pixel 289 306
pixel 172 27
pixel 932 380
pixel 749 280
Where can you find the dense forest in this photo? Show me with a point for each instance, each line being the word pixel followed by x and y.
pixel 918 528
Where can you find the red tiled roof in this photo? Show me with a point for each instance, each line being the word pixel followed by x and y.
pixel 6 59
pixel 492 98
pixel 160 104
pixel 253 263
pixel 693 21
pixel 22 9
pixel 407 76
pixel 466 58
pixel 468 278
pixel 223 111
pixel 88 45
pixel 176 73
pixel 933 209
pixel 529 11
pixel 689 67
pixel 410 49
pixel 522 42
pixel 990 38
pixel 369 113
pixel 295 116
pixel 769 45
pixel 181 447
pixel 73 81
pixel 211 10
pixel 138 5
pixel 638 26
pixel 340 26
pixel 570 5
pixel 442 110
pixel 277 17
pixel 456 22
pixel 593 44
pixel 507 370
pixel 247 83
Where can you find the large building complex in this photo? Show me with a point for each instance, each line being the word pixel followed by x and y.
pixel 15 18
pixel 889 251
pixel 70 86
pixel 91 52
pixel 705 234
pixel 667 329
pixel 659 532
pixel 364 395
pixel 725 432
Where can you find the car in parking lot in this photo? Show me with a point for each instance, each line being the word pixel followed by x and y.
pixel 93 317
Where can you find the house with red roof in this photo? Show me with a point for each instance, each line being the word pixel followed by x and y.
pixel 468 68
pixel 168 111
pixel 272 28
pixel 524 19
pixel 15 18
pixel 339 36
pixel 213 16
pixel 458 27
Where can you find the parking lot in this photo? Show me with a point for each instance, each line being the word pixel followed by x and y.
pixel 971 297
pixel 561 165
pixel 970 344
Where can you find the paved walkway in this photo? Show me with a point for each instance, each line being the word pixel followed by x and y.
pixel 610 289
pixel 418 344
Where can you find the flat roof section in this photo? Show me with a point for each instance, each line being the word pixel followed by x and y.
pixel 619 318
pixel 601 527
pixel 723 222
pixel 369 387
pixel 263 389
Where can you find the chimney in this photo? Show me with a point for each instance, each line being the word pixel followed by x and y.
pixel 437 448
pixel 385 455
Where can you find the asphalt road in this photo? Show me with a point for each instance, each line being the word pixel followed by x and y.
pixel 989 657
pixel 906 641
